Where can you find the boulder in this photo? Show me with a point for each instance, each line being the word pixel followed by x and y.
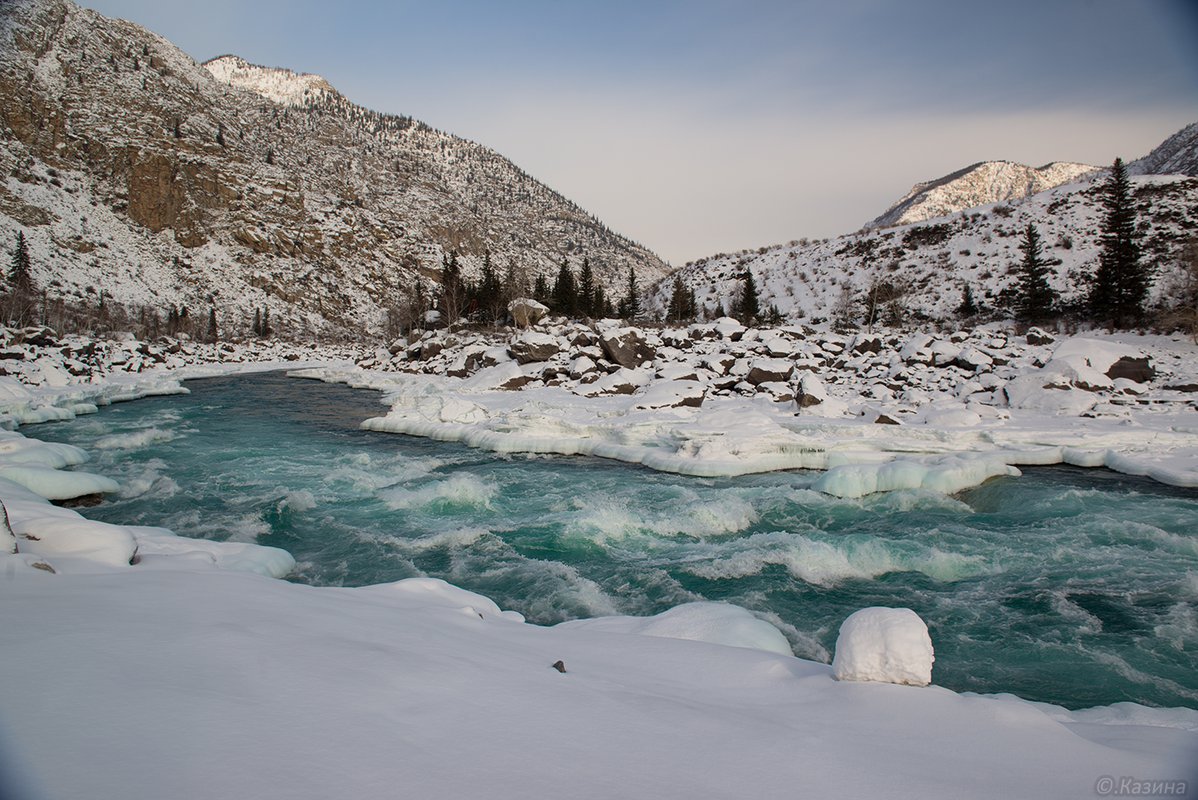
pixel 525 311
pixel 626 347
pixel 769 370
pixel 1035 336
pixel 1139 370
pixel 811 391
pixel 530 346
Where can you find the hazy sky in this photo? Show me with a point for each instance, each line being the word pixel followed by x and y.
pixel 699 126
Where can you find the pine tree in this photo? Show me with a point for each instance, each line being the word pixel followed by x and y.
pixel 630 306
pixel 489 291
pixel 540 291
pixel 257 322
pixel 968 306
pixel 1035 298
pixel 20 276
pixel 750 305
pixel 212 332
pixel 453 288
pixel 682 303
pixel 586 290
pixel 1120 284
pixel 565 291
pixel 267 332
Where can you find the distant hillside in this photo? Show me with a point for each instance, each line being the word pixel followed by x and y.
pixel 933 261
pixel 1177 155
pixel 978 185
pixel 964 229
pixel 136 172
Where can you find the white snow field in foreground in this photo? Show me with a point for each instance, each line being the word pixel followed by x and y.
pixel 160 683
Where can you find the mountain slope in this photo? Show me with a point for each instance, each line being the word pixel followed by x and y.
pixel 978 185
pixel 1177 155
pixel 136 172
pixel 933 261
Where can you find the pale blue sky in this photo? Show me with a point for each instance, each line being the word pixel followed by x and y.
pixel 712 125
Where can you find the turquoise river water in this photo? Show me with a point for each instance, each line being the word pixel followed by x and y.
pixel 1077 587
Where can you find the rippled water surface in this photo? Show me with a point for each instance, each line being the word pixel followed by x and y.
pixel 1078 587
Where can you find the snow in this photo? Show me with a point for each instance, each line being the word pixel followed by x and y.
pixel 716 623
pixel 886 645
pixel 220 680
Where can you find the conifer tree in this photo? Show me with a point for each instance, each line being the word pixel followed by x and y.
pixel 257 322
pixel 968 306
pixel 22 299
pixel 750 305
pixel 565 291
pixel 212 331
pixel 1120 284
pixel 267 332
pixel 682 303
pixel 453 288
pixel 1035 298
pixel 630 306
pixel 20 277
pixel 586 290
pixel 540 291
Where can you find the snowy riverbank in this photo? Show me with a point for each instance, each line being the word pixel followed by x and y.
pixel 187 673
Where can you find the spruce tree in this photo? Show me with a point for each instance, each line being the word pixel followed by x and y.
pixel 257 322
pixel 586 290
pixel 1035 298
pixel 630 306
pixel 212 332
pixel 453 288
pixel 1120 284
pixel 968 306
pixel 266 329
pixel 565 291
pixel 20 277
pixel 540 291
pixel 750 305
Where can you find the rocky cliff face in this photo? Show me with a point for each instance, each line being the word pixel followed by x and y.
pixel 1177 155
pixel 978 185
pixel 136 172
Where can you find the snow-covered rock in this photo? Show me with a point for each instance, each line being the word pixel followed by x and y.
pixel 885 645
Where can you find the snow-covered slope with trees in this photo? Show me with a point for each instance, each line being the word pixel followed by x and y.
pixel 921 269
pixel 978 185
pixel 927 266
pixel 137 173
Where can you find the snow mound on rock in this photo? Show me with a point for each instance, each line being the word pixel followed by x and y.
pixel 885 645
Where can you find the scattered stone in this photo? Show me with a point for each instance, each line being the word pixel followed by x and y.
pixel 769 370
pixel 1036 337
pixel 560 666
pixel 1139 370
pixel 526 312
pixel 531 347
pixel 884 419
pixel 626 347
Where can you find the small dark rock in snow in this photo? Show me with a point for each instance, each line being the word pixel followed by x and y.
pixel 560 666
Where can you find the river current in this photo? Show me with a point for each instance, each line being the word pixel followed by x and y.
pixel 1077 587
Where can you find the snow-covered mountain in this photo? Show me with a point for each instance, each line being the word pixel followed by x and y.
pixel 1177 155
pixel 931 262
pixel 972 241
pixel 978 185
pixel 136 172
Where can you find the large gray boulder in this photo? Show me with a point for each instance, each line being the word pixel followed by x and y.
pixel 525 311
pixel 530 346
pixel 626 347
